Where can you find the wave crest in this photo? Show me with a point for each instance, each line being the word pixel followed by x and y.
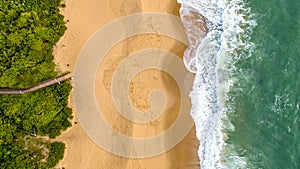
pixel 218 33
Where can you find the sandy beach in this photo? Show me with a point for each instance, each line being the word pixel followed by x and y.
pixel 83 19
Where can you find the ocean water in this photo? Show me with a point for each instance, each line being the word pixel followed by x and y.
pixel 246 93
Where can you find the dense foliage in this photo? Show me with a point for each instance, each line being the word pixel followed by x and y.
pixel 56 153
pixel 28 31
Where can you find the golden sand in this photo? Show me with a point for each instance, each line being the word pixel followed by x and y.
pixel 83 19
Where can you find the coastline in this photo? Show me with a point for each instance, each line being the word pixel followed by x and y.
pixel 83 19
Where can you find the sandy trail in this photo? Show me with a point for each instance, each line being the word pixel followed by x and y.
pixel 83 19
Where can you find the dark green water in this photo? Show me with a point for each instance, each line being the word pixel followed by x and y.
pixel 266 98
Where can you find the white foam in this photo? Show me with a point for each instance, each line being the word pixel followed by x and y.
pixel 209 58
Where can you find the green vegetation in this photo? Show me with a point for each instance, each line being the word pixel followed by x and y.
pixel 28 31
pixel 56 153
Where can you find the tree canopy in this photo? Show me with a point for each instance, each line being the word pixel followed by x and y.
pixel 28 31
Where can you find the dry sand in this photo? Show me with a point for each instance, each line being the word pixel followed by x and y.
pixel 83 19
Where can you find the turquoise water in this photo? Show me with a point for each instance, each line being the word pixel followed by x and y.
pixel 246 92
pixel 264 102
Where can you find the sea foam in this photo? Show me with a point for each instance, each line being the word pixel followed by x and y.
pixel 217 31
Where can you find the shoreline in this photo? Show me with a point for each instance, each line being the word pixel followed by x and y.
pixel 80 151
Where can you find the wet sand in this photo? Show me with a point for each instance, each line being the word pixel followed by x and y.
pixel 83 19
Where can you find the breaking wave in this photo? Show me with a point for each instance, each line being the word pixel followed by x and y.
pixel 219 35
